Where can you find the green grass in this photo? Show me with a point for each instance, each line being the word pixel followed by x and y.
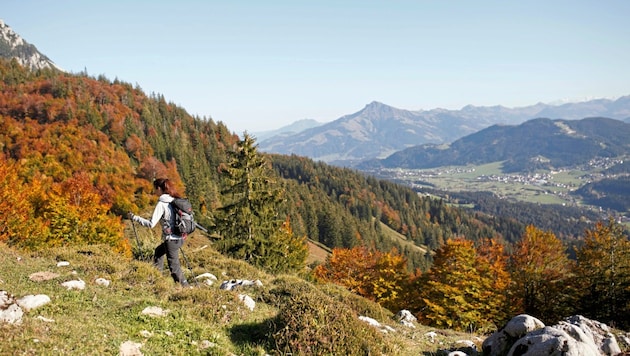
pixel 97 320
pixel 396 236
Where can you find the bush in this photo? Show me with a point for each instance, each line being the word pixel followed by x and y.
pixel 311 322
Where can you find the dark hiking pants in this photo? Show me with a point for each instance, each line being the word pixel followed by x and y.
pixel 170 248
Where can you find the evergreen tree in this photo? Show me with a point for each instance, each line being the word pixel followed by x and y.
pixel 248 221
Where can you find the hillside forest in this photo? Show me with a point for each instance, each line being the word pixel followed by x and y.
pixel 77 153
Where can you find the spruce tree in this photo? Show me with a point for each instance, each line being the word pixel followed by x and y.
pixel 248 221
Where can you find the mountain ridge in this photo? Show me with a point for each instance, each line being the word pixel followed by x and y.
pixel 14 46
pixel 379 130
pixel 561 142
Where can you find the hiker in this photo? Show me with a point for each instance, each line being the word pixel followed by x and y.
pixel 171 243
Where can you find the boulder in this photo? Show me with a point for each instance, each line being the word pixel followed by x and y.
pixel 499 343
pixel 406 318
pixel 553 342
pixel 597 332
pixel 576 335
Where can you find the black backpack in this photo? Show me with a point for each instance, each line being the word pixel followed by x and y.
pixel 184 217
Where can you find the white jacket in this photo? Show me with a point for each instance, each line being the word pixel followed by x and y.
pixel 164 212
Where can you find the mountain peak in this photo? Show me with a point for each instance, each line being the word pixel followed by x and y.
pixel 377 108
pixel 12 46
pixel 374 104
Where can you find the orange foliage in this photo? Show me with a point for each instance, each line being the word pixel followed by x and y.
pixel 381 277
pixel 16 223
pixel 542 273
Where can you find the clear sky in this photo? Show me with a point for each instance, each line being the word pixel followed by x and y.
pixel 259 65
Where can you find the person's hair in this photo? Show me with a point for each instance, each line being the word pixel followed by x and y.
pixel 167 187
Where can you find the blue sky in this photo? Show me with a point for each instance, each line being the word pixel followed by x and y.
pixel 260 65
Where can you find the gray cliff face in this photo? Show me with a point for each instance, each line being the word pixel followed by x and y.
pixel 12 46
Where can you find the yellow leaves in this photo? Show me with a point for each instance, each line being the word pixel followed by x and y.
pixel 461 284
pixel 15 207
pixel 53 214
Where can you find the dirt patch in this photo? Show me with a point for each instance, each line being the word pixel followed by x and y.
pixel 316 253
pixel 42 276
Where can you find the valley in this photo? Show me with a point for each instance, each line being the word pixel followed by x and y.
pixel 541 187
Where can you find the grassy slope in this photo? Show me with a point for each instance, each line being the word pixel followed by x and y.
pixel 99 319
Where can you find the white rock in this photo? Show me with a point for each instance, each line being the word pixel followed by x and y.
pixel 248 301
pixel 155 311
pixel 457 353
pixel 522 324
pixel 11 315
pixel 102 282
pixel 370 321
pixel 550 341
pixel 466 343
pixel 130 348
pixel 30 302
pixel 6 299
pixel 207 276
pixel 207 344
pixel 229 285
pixel 407 324
pixel 234 283
pixel 76 284
pixel 406 316
pixel 389 328
pixel 45 319
pixel 431 335
pixel 63 263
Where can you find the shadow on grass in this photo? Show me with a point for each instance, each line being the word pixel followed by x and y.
pixel 252 334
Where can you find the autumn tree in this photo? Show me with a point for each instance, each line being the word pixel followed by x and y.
pixel 76 215
pixel 457 291
pixel 18 221
pixel 379 276
pixel 542 273
pixel 248 221
pixel 603 271
pixel 493 264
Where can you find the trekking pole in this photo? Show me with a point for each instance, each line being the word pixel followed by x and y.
pixel 201 228
pixel 188 265
pixel 133 224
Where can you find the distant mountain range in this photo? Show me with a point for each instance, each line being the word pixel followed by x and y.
pixel 13 46
pixel 378 130
pixel 288 130
pixel 535 144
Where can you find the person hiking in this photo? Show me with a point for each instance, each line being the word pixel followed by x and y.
pixel 171 243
